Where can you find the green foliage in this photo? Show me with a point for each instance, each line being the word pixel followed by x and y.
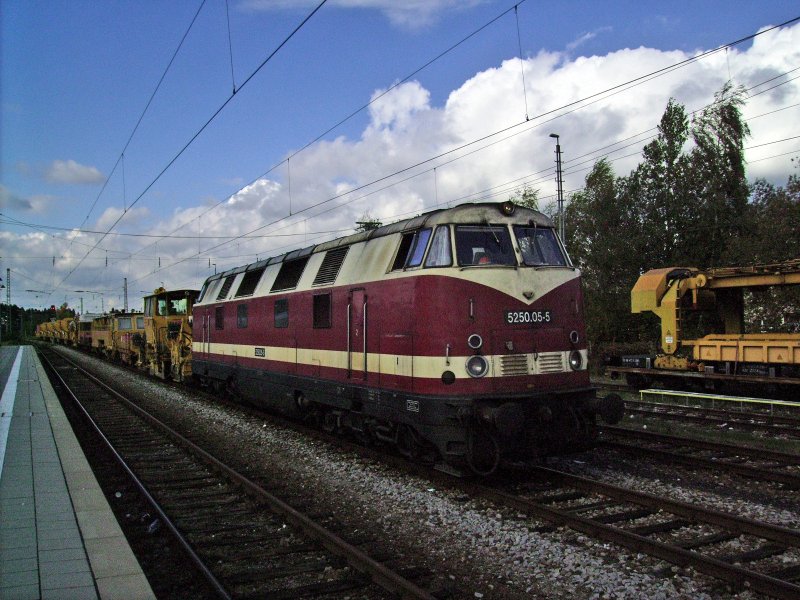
pixel 679 207
pixel 527 197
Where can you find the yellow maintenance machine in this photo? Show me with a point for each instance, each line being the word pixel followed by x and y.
pixel 168 333
pixel 674 294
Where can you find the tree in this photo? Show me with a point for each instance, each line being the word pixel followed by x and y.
pixel 718 179
pixel 527 197
pixel 601 222
pixel 676 208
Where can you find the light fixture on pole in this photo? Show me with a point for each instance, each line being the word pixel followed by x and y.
pixel 560 188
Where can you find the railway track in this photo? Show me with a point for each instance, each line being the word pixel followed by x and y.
pixel 753 463
pixel 744 552
pixel 247 542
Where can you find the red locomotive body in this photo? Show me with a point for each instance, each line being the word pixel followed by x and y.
pixel 457 335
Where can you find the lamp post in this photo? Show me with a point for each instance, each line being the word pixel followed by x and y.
pixel 2 287
pixel 560 188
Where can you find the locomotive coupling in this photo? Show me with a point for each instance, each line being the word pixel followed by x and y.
pixel 611 408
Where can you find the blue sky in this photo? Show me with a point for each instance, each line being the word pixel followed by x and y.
pixel 76 77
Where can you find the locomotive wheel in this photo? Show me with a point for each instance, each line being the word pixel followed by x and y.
pixel 483 452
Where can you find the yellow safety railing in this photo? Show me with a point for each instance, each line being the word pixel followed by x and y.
pixel 714 398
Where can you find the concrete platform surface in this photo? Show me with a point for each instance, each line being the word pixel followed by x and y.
pixel 58 536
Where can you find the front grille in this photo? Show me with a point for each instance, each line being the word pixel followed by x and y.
pixel 514 364
pixel 550 362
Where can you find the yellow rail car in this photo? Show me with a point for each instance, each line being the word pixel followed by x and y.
pixel 733 353
pixel 128 338
pixel 168 333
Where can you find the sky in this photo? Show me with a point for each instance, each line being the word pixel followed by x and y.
pixel 160 142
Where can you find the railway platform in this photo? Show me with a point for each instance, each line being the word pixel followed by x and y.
pixel 58 535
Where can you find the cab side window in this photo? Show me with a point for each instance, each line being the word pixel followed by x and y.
pixel 439 255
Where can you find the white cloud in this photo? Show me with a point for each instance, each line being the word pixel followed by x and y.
pixel 405 129
pixel 113 213
pixel 71 172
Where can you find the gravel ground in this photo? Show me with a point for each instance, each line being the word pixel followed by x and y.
pixel 486 552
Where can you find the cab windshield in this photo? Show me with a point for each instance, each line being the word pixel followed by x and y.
pixel 481 245
pixel 539 246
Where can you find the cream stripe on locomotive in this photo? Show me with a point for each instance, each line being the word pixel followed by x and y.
pixel 501 365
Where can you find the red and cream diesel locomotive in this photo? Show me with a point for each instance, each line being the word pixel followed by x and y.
pixel 456 335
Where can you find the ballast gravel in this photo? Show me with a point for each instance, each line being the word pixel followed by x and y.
pixel 484 551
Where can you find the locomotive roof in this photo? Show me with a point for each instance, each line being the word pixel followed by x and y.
pixel 463 214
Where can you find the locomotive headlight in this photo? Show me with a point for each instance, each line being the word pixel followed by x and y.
pixel 477 366
pixel 575 360
pixel 475 341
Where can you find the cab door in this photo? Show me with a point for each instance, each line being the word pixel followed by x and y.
pixel 357 335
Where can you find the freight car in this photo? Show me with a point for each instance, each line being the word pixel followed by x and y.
pixel 456 336
pixel 734 357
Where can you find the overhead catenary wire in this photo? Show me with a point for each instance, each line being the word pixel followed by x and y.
pixel 571 105
pixel 246 236
pixel 199 132
pixel 355 112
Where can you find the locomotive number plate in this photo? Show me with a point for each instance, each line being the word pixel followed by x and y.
pixel 528 317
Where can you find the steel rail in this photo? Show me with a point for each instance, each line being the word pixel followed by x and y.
pixel 673 554
pixel 184 543
pixel 378 573
pixel 638 543
pixel 730 418
pixel 760 473
pixel 756 453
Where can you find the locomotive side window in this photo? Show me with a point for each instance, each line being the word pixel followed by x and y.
pixel 149 305
pixel 402 251
pixel 289 274
pixel 322 311
pixel 241 316
pixel 139 322
pixel 539 246
pixel 418 248
pixel 439 255
pixel 226 287
pixel 124 323
pixel 219 317
pixel 249 283
pixel 282 313
pixel 203 291
pixel 484 245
